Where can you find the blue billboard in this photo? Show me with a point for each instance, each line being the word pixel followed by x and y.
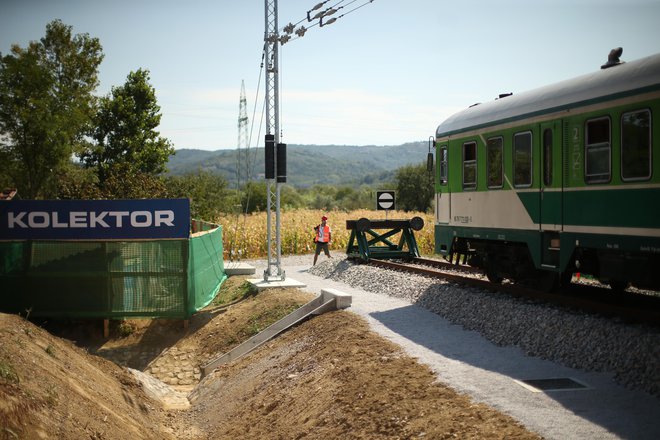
pixel 94 219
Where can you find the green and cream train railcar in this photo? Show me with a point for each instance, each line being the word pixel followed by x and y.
pixel 565 178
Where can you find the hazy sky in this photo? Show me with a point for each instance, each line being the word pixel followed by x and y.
pixel 385 74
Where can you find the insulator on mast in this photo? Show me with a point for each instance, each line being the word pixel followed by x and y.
pixel 318 6
pixel 332 20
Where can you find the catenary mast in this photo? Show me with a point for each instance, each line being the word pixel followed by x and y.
pixel 271 43
pixel 276 151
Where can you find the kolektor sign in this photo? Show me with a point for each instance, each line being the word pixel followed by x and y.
pixel 94 219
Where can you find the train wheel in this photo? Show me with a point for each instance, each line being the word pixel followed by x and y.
pixel 486 262
pixel 494 277
pixel 546 281
pixel 618 286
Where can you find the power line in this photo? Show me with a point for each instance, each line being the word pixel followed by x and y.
pixel 289 28
pixel 299 31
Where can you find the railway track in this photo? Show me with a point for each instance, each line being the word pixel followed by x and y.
pixel 627 306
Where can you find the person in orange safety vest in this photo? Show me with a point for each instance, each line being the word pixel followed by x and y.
pixel 323 237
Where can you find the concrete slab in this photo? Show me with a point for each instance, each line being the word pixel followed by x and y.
pixel 260 284
pixel 234 268
pixel 342 300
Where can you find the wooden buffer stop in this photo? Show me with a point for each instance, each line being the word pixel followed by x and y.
pixel 379 245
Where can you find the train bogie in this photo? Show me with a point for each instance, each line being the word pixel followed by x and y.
pixel 536 186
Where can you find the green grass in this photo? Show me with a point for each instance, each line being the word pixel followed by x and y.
pixel 50 350
pixel 51 395
pixel 125 329
pixel 230 293
pixel 263 319
pixel 8 373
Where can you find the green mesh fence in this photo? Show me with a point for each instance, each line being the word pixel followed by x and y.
pixel 206 270
pixel 112 279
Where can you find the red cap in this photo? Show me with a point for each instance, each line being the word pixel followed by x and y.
pixel 324 218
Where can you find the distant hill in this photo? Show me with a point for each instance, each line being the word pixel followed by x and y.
pixel 308 165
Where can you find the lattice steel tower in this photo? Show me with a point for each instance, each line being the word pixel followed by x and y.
pixel 271 43
pixel 242 171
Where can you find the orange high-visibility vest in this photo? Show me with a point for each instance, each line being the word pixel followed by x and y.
pixel 326 234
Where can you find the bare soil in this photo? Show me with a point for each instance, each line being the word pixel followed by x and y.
pixel 328 378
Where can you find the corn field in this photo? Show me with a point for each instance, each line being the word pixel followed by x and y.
pixel 244 236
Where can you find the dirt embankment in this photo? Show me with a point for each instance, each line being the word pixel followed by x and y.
pixel 329 377
pixel 49 388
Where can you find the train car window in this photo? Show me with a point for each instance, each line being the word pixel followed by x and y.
pixel 494 149
pixel 522 159
pixel 636 145
pixel 469 165
pixel 547 157
pixel 597 151
pixel 443 165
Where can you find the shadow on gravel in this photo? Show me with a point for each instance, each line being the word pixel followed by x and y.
pixel 626 414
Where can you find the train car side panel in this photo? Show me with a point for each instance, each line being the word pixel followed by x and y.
pixel 565 178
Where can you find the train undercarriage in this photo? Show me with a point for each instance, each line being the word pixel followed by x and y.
pixel 510 260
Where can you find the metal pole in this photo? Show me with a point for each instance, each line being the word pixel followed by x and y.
pixel 271 40
pixel 278 237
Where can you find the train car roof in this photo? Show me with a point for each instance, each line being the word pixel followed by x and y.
pixel 616 81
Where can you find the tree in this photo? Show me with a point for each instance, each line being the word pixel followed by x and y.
pixel 126 182
pixel 208 193
pixel 46 104
pixel 255 196
pixel 75 182
pixel 414 188
pixel 125 130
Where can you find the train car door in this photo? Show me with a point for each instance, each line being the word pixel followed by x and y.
pixel 443 199
pixel 551 187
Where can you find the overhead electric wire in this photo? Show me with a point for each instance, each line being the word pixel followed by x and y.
pixel 249 172
pixel 254 111
pixel 318 6
pixel 300 32
pixel 256 149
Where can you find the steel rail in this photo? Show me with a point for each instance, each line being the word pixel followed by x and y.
pixel 445 265
pixel 628 307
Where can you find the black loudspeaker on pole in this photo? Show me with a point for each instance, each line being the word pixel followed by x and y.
pixel 270 156
pixel 281 163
